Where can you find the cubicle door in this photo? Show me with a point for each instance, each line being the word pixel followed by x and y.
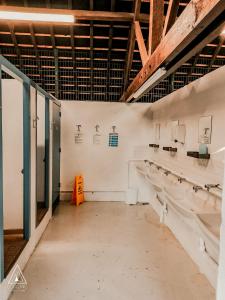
pixel 13 151
pixel 42 156
pixel 56 155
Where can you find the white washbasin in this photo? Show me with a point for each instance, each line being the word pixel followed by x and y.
pixel 209 229
pixel 155 182
pixel 196 202
pixel 204 202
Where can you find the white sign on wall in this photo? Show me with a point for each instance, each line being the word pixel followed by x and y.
pixel 205 130
pixel 78 135
pixel 97 137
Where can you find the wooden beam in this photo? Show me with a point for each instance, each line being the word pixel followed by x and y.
pixel 56 58
pixel 171 15
pixel 217 51
pixel 87 15
pixel 197 16
pixel 155 24
pixel 141 43
pixel 91 2
pixel 131 43
pixel 191 69
pixel 110 43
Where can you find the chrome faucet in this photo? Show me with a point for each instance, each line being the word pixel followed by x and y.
pixel 181 179
pixel 212 186
pixel 197 188
pixel 167 172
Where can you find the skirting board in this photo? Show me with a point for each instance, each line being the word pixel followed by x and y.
pixel 109 196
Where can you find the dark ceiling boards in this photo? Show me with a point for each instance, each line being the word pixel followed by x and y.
pixel 87 61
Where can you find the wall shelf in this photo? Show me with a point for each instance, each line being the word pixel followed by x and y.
pixel 170 149
pixel 197 155
pixel 154 146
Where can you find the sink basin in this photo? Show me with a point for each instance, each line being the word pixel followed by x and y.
pixel 209 229
pixel 153 176
pixel 155 182
pixel 141 170
pixel 204 202
pixel 184 196
pixel 211 222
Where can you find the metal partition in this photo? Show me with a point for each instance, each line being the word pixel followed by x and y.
pixel 56 154
pixel 7 67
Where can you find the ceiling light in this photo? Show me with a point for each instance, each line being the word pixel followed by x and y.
pixel 130 98
pixel 150 83
pixel 39 17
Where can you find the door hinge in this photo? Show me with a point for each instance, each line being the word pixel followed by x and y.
pixel 59 184
pixel 60 114
pixel 60 150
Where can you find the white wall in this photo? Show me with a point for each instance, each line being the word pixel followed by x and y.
pixel 105 169
pixel 12 126
pixel 201 98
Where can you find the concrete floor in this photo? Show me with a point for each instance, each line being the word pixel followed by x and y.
pixel 111 251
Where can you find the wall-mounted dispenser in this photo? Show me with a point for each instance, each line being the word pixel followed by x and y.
pixel 205 130
pixel 157 132
pixel 97 136
pixel 174 126
pixel 113 138
pixel 78 138
pixel 180 134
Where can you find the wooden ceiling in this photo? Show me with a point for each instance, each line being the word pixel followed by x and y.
pixel 97 57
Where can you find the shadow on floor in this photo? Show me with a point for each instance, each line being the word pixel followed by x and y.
pixel 14 244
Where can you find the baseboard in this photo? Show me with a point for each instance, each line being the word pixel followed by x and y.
pixel 104 196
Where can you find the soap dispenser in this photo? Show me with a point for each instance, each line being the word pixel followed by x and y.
pixel 203 149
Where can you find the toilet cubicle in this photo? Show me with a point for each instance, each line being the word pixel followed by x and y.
pixel 29 126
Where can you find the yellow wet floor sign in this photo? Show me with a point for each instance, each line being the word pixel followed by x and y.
pixel 78 191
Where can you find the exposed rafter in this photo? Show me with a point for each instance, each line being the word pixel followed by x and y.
pixel 170 16
pixel 131 42
pixel 141 42
pixel 195 18
pixel 155 24
pixel 217 51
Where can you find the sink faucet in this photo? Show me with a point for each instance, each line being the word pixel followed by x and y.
pixel 197 188
pixel 212 186
pixel 167 172
pixel 181 179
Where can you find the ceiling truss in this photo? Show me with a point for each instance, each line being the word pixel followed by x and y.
pixel 113 47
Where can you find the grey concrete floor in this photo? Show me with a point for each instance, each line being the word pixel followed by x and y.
pixel 111 251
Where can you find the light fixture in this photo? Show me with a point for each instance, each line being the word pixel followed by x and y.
pixel 223 32
pixel 38 17
pixel 150 82
pixel 130 98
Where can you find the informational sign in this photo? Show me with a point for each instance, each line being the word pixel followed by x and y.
pixel 113 138
pixel 78 191
pixel 205 130
pixel 78 135
pixel 97 136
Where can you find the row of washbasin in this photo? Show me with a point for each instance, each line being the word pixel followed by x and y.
pixel 199 209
